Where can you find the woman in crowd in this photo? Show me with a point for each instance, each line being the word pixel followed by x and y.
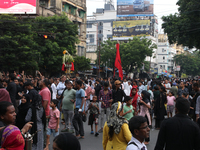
pixel 136 97
pixel 116 133
pixel 37 115
pixel 160 99
pixel 144 109
pixel 11 138
pixel 22 111
pixel 66 141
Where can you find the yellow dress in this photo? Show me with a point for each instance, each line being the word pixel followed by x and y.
pixel 118 141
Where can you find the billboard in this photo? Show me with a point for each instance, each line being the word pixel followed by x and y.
pixel 130 8
pixel 17 6
pixel 131 28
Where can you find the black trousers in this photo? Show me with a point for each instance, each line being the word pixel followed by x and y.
pixel 78 123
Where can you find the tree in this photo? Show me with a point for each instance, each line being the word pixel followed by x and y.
pixel 189 63
pixel 17 49
pixel 65 35
pixel 22 49
pixel 81 63
pixel 183 27
pixel 133 53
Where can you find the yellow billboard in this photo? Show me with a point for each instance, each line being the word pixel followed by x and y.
pixel 131 28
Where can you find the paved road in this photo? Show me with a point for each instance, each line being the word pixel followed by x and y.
pixel 95 143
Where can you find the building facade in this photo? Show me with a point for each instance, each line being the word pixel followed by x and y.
pixel 76 12
pixel 165 54
pixel 99 29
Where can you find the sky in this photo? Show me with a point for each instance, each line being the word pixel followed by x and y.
pixel 161 8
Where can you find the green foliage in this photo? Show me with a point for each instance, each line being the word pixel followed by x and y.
pixel 17 49
pixel 183 27
pixel 189 63
pixel 133 53
pixel 81 63
pixel 65 33
pixel 22 49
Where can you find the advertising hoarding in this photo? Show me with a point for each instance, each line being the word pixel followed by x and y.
pixel 130 8
pixel 131 28
pixel 17 6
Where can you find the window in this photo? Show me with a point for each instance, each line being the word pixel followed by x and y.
pixel 109 36
pixel 163 66
pixel 91 40
pixel 82 51
pixel 53 3
pixel 81 13
pixel 163 58
pixel 160 66
pixel 163 50
pixel 91 35
pixel 43 3
pixel 89 25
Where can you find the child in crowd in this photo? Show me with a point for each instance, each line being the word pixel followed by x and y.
pixel 54 118
pixel 94 112
pixel 128 108
pixel 170 103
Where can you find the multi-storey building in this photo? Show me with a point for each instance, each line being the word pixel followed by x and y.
pixel 99 29
pixel 165 54
pixel 76 12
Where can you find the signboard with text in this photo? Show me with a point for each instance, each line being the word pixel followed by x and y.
pixel 18 6
pixel 129 8
pixel 131 28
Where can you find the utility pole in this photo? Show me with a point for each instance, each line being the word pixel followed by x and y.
pixel 99 57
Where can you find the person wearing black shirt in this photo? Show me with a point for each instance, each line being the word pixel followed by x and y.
pixel 118 93
pixel 12 89
pixel 179 132
pixel 32 92
pixel 97 89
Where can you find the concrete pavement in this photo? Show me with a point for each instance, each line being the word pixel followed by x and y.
pixel 95 143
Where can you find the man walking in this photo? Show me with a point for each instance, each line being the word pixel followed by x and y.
pixel 182 89
pixel 60 88
pixel 118 94
pixel 80 102
pixel 67 105
pixel 179 132
pixel 140 130
pixel 12 89
pixel 105 97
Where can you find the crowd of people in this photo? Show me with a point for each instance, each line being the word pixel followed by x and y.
pixel 123 110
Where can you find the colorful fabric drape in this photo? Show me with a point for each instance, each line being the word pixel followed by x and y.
pixel 118 63
pixel 12 139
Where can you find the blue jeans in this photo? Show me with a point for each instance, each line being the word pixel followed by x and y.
pixel 50 131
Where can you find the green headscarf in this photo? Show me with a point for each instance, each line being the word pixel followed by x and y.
pixel 114 120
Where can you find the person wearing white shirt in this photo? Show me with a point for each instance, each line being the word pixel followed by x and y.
pixel 60 88
pixel 61 85
pixel 167 86
pixel 53 87
pixel 127 90
pixel 141 87
pixel 139 130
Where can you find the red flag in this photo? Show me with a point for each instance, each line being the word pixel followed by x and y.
pixel 63 67
pixel 72 68
pixel 118 63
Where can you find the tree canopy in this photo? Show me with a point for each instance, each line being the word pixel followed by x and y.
pixel 133 53
pixel 81 63
pixel 183 27
pixel 22 49
pixel 189 63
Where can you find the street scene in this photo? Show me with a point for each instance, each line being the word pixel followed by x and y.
pixel 99 75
